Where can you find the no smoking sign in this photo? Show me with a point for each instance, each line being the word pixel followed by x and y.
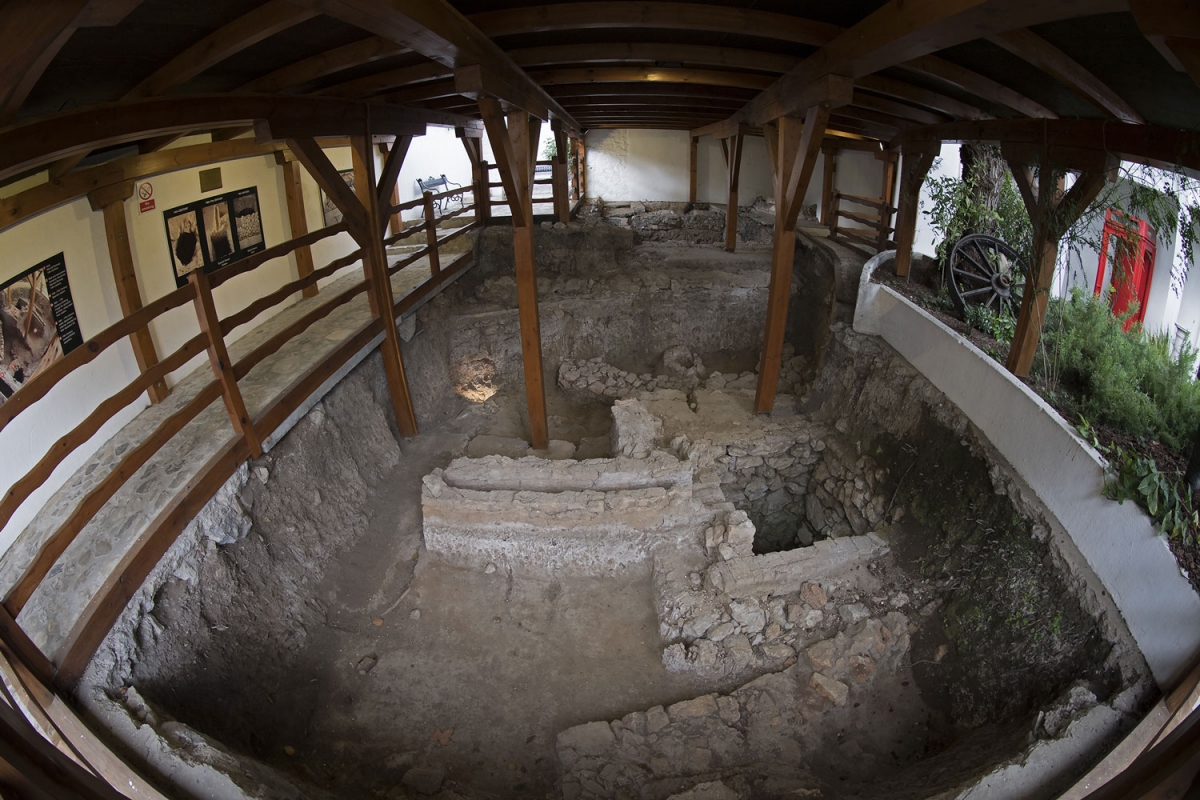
pixel 145 193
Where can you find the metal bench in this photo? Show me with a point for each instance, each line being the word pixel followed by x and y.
pixel 436 185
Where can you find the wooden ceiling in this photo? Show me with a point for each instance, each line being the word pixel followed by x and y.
pixel 674 65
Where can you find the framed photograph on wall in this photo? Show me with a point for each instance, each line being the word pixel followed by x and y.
pixel 37 317
pixel 215 232
pixel 330 212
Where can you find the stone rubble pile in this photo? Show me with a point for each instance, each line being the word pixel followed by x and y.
pixel 747 614
pixel 754 741
pixel 594 379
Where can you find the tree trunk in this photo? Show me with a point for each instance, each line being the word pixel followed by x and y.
pixel 984 170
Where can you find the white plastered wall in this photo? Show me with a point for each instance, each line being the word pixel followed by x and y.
pixel 630 164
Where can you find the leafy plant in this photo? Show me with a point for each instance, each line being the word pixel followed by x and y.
pixel 1000 325
pixel 1167 501
pixel 1126 379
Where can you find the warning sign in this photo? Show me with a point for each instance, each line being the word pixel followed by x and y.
pixel 145 193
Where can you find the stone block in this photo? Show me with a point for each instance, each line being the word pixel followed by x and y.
pixel 835 692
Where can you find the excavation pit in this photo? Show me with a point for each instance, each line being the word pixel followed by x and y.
pixel 361 617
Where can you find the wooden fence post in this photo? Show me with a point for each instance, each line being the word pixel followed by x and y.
pixel 431 236
pixel 116 229
pixel 218 357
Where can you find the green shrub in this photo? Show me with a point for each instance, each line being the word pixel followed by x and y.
pixel 1000 325
pixel 1127 380
pixel 1166 500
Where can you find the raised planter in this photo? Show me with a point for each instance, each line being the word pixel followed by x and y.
pixel 1118 541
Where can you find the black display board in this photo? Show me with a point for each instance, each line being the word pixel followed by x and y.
pixel 38 322
pixel 214 232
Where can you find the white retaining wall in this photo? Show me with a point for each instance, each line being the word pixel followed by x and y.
pixel 1118 541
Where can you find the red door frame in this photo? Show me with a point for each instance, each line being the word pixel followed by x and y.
pixel 1123 226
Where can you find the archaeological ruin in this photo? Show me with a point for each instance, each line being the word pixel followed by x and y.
pixel 368 438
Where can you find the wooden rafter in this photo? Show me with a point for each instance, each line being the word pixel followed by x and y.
pixel 37 142
pixel 899 32
pixel 245 31
pixel 1152 145
pixel 1027 45
pixel 1173 27
pixel 330 62
pixel 437 31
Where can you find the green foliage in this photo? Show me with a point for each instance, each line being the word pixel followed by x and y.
pixel 956 210
pixel 1166 500
pixel 1125 379
pixel 998 324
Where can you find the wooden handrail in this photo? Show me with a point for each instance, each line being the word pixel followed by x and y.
pixel 19 492
pixel 398 237
pixel 244 265
pixel 94 500
pixel 40 384
pixel 866 201
pixel 405 206
pixel 282 293
pixel 452 192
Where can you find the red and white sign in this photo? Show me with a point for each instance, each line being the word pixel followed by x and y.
pixel 145 192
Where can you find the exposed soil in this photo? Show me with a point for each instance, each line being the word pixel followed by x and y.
pixel 1170 462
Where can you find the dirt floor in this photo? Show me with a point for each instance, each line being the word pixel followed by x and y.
pixel 359 658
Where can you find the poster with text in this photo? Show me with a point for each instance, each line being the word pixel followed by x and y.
pixel 37 323
pixel 330 212
pixel 212 233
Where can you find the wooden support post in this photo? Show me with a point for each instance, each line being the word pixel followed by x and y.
pixel 693 157
pixel 1052 212
pixel 379 284
pixel 562 197
pixel 218 357
pixel 361 212
pixel 479 179
pixel 431 234
pixel 733 161
pixel 887 189
pixel 796 151
pixel 828 184
pixel 913 169
pixel 116 230
pixel 294 194
pixel 514 143
pixel 581 165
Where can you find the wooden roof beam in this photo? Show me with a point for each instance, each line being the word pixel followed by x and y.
pixel 899 32
pixel 437 31
pixel 1028 46
pixel 301 72
pixel 245 31
pixel 1173 27
pixel 1065 139
pixel 768 25
pixel 38 142
pixel 31 34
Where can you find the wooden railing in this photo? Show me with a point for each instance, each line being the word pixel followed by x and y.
pixel 88 632
pixel 565 194
pixel 877 221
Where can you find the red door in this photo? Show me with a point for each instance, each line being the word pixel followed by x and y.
pixel 1130 242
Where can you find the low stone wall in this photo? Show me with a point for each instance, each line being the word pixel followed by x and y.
pixel 1117 542
pixel 594 517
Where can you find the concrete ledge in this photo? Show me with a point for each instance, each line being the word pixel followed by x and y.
pixel 1118 541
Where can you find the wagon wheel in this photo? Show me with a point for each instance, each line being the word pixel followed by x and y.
pixel 983 270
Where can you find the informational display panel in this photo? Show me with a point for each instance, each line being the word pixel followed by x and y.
pixel 37 323
pixel 214 232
